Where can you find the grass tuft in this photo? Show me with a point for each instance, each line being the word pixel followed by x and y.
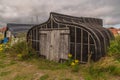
pixel 44 77
pixel 5 73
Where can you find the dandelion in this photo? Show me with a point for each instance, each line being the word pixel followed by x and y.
pixel 72 64
pixel 1 45
pixel 69 55
pixel 76 61
pixel 1 49
pixel 19 55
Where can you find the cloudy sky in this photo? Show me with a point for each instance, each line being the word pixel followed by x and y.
pixel 37 11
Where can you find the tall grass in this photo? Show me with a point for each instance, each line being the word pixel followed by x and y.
pixel 109 65
pixel 21 50
pixel 106 67
pixel 114 49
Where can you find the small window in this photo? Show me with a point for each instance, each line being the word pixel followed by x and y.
pixel 78 32
pixel 72 34
pixel 85 53
pixel 85 37
pixel 55 25
pixel 49 25
pixel 78 51
pixel 72 49
pixel 91 40
pixel 62 26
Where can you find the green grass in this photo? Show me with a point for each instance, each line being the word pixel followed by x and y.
pixel 34 68
pixel 41 69
pixel 44 77
pixel 114 49
pixel 4 73
pixel 20 77
pixel 47 65
pixel 4 61
pixel 24 76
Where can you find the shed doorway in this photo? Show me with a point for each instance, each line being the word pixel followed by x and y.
pixel 54 43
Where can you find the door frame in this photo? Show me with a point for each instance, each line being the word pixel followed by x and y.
pixel 52 29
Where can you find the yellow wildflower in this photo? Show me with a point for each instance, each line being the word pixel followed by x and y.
pixel 1 45
pixel 72 64
pixel 1 49
pixel 76 61
pixel 19 55
pixel 69 55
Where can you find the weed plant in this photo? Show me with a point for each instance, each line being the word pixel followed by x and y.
pixel 21 50
pixel 114 49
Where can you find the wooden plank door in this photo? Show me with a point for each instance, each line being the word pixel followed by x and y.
pixel 44 39
pixel 64 44
pixel 54 44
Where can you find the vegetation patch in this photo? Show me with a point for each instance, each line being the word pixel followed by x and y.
pixel 114 49
pixel 4 73
pixel 21 51
pixel 47 65
pixel 44 77
pixel 18 77
pixel 19 62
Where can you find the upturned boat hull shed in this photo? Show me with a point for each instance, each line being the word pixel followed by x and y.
pixel 62 34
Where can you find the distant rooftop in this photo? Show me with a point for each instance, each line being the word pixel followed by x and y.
pixel 18 28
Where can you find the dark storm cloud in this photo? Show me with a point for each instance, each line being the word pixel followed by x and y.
pixel 37 11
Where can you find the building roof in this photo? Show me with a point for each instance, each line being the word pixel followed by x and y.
pixel 115 31
pixel 18 28
pixel 75 20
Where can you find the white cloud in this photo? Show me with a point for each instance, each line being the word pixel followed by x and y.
pixel 24 10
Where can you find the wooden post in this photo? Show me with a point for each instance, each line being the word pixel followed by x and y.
pixel 81 44
pixel 75 42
